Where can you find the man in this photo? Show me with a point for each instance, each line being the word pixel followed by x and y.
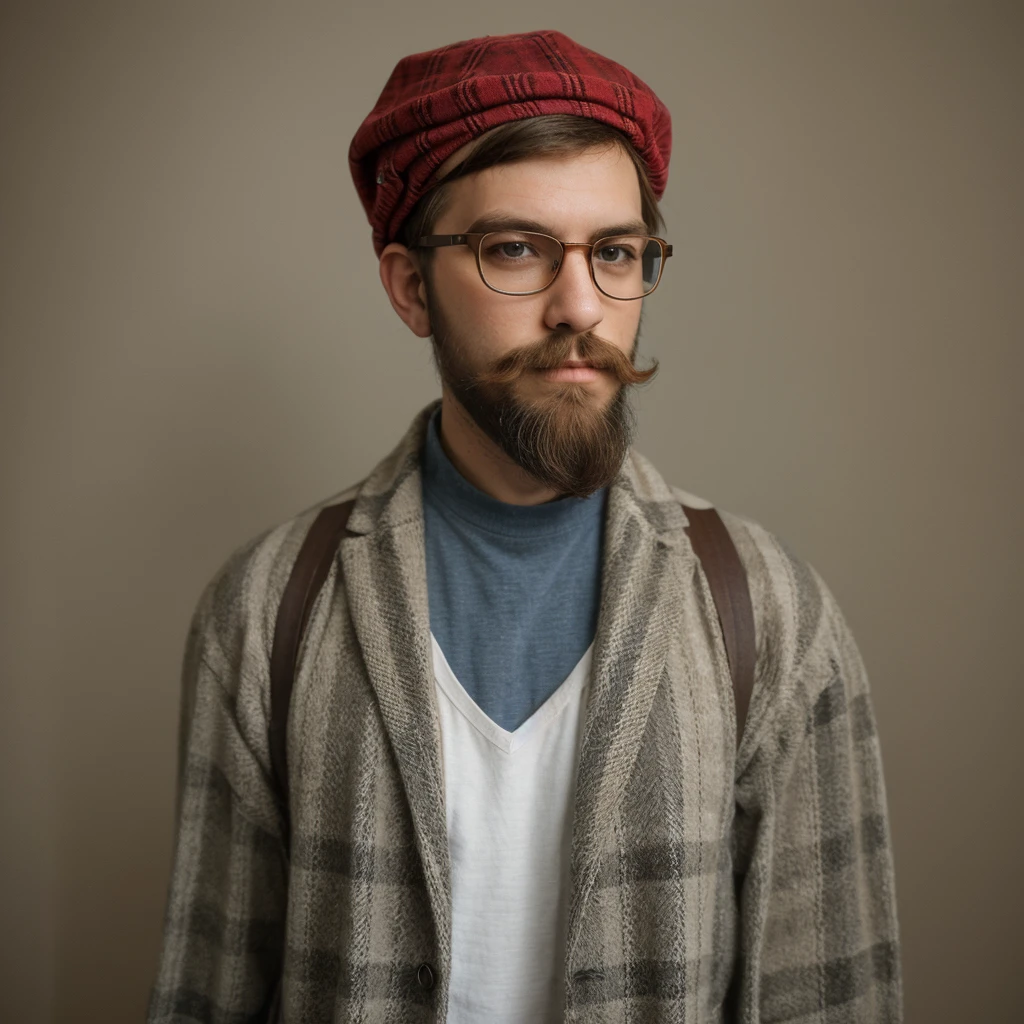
pixel 514 790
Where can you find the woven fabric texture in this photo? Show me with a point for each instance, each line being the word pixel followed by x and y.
pixel 436 102
pixel 708 884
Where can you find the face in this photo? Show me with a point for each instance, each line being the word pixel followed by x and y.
pixel 543 375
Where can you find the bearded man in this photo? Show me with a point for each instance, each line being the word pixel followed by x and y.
pixel 513 781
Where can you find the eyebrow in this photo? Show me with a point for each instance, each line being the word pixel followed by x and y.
pixel 511 222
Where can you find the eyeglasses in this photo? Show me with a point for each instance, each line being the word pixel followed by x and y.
pixel 526 262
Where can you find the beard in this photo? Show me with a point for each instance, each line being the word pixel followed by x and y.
pixel 565 438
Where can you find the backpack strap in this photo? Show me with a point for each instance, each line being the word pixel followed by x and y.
pixel 727 580
pixel 711 542
pixel 307 578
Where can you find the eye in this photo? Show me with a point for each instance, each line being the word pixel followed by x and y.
pixel 513 250
pixel 615 254
pixel 509 248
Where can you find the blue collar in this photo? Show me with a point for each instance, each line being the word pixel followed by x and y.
pixel 445 486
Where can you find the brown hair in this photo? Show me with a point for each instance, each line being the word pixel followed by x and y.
pixel 547 135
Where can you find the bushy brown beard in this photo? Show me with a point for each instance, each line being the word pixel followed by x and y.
pixel 566 439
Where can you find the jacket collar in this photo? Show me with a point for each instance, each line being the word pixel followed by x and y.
pixel 391 495
pixel 385 579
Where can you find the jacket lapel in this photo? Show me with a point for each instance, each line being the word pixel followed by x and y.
pixel 384 567
pixel 640 613
pixel 645 558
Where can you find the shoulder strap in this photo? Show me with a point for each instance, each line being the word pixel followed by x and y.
pixel 727 580
pixel 711 542
pixel 307 577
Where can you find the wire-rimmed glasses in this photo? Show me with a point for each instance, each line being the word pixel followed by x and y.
pixel 516 262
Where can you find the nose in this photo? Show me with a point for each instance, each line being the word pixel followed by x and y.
pixel 573 302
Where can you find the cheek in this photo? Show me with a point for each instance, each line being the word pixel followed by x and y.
pixel 511 320
pixel 621 324
pixel 493 324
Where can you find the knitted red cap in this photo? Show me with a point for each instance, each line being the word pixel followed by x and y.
pixel 436 102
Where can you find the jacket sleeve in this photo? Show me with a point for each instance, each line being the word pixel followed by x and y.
pixel 222 942
pixel 818 939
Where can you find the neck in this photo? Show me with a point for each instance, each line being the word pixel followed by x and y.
pixel 483 463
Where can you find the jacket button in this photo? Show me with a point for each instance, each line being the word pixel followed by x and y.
pixel 425 976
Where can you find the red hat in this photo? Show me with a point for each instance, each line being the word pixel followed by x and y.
pixel 436 102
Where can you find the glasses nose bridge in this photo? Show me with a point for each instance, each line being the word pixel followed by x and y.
pixel 588 246
pixel 589 253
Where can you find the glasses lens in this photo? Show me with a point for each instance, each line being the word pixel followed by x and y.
pixel 627 266
pixel 519 261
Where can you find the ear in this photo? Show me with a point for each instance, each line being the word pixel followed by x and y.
pixel 402 280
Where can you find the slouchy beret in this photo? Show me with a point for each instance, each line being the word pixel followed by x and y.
pixel 435 102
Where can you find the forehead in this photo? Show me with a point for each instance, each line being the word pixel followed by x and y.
pixel 569 194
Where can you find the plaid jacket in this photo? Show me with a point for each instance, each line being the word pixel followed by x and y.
pixel 708 884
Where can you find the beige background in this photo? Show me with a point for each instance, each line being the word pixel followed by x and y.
pixel 195 346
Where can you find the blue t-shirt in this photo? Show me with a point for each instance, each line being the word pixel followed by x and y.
pixel 513 589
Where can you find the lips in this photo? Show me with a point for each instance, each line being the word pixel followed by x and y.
pixel 574 370
pixel 565 357
pixel 577 364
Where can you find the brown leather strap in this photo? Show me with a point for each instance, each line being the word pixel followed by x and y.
pixel 727 580
pixel 307 577
pixel 711 542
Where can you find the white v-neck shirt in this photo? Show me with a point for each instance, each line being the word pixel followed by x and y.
pixel 509 799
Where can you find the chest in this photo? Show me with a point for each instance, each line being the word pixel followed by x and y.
pixel 647 876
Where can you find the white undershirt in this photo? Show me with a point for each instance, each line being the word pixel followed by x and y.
pixel 509 799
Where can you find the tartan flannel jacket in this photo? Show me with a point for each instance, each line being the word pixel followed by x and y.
pixel 708 884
